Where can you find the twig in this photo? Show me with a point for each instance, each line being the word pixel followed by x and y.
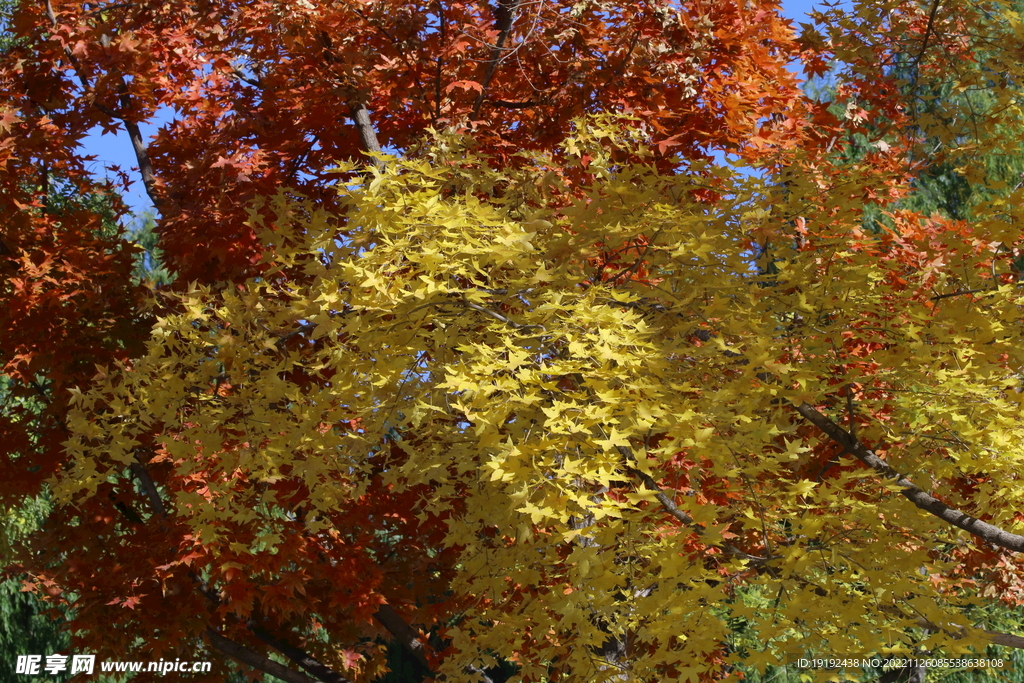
pixel 960 293
pixel 500 317
pixel 927 35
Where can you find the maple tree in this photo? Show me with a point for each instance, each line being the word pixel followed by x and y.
pixel 550 386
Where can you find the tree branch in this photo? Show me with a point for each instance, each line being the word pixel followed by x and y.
pixel 972 525
pixel 386 614
pixel 134 133
pixel 994 637
pixel 300 657
pixel 504 15
pixel 670 506
pixel 232 649
pixel 367 135
pixel 939 297
pixel 929 30
pixel 402 632
pixel 358 111
pixel 1005 639
pixel 139 470
pixel 498 316
pixel 242 654
pixel 139 146
pixel 512 105
pixel 484 678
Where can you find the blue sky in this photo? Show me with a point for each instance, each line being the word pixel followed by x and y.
pixel 117 150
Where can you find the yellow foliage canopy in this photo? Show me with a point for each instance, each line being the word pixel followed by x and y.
pixel 608 383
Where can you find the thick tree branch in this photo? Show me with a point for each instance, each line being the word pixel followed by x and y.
pixel 994 637
pixel 512 105
pixel 367 135
pixel 1005 639
pixel 484 678
pixel 405 634
pixel 983 530
pixel 386 615
pixel 242 654
pixel 358 111
pixel 300 657
pixel 139 146
pixel 139 470
pixel 853 447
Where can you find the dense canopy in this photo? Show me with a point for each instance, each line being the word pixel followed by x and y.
pixel 550 384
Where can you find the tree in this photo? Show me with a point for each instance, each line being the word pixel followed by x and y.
pixel 149 266
pixel 544 388
pixel 26 626
pixel 949 117
pixel 274 89
pixel 454 352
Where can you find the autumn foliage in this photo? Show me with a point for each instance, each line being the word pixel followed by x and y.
pixel 546 383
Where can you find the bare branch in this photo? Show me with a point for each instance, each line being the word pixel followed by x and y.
pixel 254 82
pixel 670 506
pixel 484 678
pixel 1006 639
pixel 938 297
pixel 994 637
pixel 498 316
pixel 850 412
pixel 358 111
pixel 512 105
